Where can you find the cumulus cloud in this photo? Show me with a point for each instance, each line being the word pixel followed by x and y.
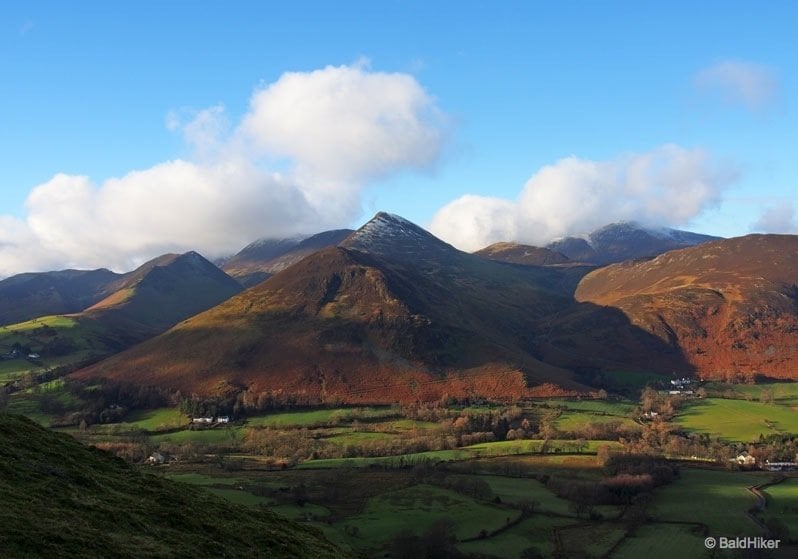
pixel 738 82
pixel 345 125
pixel 669 185
pixel 780 219
pixel 296 162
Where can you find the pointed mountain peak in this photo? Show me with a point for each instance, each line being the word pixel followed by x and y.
pixel 390 234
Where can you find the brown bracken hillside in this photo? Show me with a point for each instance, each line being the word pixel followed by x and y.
pixel 392 314
pixel 731 306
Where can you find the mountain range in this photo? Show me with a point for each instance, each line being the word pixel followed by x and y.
pixel 625 241
pixel 389 312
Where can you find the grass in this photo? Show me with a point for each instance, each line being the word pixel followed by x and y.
pixel 304 512
pixel 782 503
pixel 404 425
pixel 716 498
pixel 500 448
pixel 605 407
pixel 579 420
pixel 156 420
pixel 781 390
pixel 318 417
pixel 516 490
pixel 629 380
pixel 594 540
pixel 239 496
pixel 28 405
pixel 216 436
pixel 537 532
pixel 62 499
pixel 662 541
pixel 737 420
pixel 204 480
pixel 358 438
pixel 416 508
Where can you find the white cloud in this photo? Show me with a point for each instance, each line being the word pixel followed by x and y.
pixel 739 82
pixel 779 219
pixel 205 132
pixel 669 185
pixel 297 162
pixel 346 125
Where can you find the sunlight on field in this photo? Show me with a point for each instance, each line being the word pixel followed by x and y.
pixel 739 420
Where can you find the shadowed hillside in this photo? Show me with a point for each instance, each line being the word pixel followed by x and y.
pixel 264 258
pixel 523 254
pixel 62 499
pixel 27 296
pixel 163 292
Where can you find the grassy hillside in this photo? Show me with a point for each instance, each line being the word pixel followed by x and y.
pixel 62 499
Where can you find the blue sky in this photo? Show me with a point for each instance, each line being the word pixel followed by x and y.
pixel 482 120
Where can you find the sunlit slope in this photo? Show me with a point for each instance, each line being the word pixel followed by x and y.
pixel 730 306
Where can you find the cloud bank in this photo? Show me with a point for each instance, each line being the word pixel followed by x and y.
pixel 669 185
pixel 737 82
pixel 296 162
pixel 779 219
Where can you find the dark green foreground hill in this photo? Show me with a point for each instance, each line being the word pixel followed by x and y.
pixel 59 498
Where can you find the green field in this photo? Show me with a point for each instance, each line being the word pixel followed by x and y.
pixel 516 491
pixel 606 407
pixel 716 498
pixel 416 508
pixel 782 504
pixel 537 532
pixel 156 420
pixel 309 418
pixel 217 436
pixel 780 391
pixel 662 541
pixel 500 448
pixel 737 420
pixel 579 420
pixel 595 539
pixel 59 340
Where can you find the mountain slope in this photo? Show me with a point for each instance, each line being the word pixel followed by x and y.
pixel 523 254
pixel 625 241
pixel 165 291
pixel 144 303
pixel 27 296
pixel 730 306
pixel 62 499
pixel 393 313
pixel 264 258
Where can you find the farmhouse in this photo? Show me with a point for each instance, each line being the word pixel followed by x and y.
pixel 157 458
pixel 745 459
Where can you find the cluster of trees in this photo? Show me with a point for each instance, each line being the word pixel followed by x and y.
pixel 628 479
